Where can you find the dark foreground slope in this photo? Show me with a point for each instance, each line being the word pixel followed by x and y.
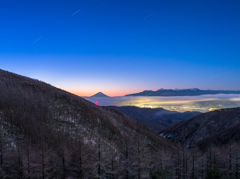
pixel 208 129
pixel 155 118
pixel 46 132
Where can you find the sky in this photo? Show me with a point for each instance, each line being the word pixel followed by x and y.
pixel 120 47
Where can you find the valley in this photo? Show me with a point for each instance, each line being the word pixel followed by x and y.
pixel 156 119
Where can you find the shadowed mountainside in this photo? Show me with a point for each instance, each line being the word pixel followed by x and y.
pixel 47 132
pixel 155 118
pixel 208 129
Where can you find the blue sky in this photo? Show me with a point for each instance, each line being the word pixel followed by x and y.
pixel 122 46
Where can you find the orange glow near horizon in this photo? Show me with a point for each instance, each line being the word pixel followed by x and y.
pixel 108 93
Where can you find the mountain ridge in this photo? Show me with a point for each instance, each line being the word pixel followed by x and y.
pixel 183 92
pixel 218 127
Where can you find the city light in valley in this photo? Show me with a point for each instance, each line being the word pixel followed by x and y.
pixel 203 103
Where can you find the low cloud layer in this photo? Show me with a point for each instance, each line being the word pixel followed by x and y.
pixel 201 103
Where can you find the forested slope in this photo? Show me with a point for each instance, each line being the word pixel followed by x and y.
pixel 49 133
pixel 213 128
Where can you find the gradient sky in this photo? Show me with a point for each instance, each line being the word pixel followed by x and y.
pixel 122 46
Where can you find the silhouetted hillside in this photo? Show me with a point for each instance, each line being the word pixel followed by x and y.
pixel 182 92
pixel 208 129
pixel 49 133
pixel 155 118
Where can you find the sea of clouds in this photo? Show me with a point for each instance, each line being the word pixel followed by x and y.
pixel 201 103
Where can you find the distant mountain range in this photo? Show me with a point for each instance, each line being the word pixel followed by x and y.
pixel 99 94
pixel 155 118
pixel 182 92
